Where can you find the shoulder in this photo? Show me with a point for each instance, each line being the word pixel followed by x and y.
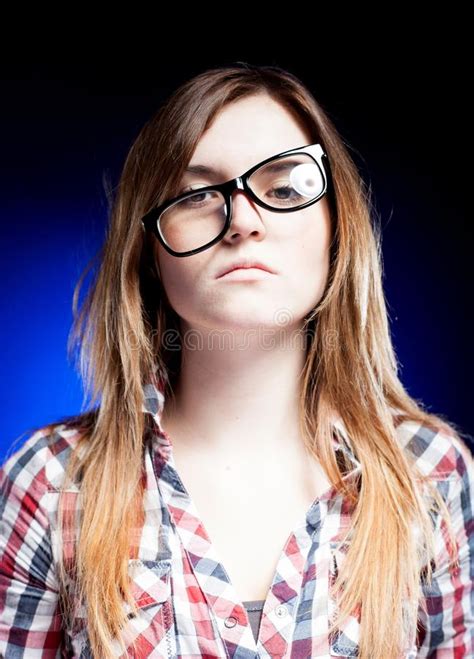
pixel 445 461
pixel 438 452
pixel 40 462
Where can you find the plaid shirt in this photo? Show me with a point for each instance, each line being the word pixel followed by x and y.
pixel 188 606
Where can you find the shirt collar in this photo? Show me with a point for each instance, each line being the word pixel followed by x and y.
pixel 154 401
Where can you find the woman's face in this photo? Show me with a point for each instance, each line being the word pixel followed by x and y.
pixel 294 245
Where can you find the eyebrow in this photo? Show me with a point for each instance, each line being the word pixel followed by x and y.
pixel 205 170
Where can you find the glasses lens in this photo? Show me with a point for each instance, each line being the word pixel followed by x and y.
pixel 194 221
pixel 288 182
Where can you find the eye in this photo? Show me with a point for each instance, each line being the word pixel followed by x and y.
pixel 282 192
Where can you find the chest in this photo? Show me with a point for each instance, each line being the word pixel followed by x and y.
pixel 250 516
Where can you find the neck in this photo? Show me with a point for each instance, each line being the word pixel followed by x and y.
pixel 237 403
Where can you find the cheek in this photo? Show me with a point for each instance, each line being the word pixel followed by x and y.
pixel 177 283
pixel 311 253
pixel 179 277
pixel 172 274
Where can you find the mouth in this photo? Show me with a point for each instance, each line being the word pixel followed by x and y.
pixel 251 268
pixel 247 273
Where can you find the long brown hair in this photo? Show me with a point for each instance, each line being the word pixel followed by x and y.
pixel 118 332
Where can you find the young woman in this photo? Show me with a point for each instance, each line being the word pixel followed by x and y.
pixel 254 479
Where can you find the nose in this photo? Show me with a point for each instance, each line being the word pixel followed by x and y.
pixel 245 219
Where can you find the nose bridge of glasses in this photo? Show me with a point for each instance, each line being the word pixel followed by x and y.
pixel 240 214
pixel 238 185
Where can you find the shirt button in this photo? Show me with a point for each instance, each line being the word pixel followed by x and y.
pixel 230 621
pixel 281 611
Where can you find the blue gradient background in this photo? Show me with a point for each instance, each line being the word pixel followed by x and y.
pixel 66 126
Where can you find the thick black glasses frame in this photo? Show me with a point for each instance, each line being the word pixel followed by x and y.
pixel 150 223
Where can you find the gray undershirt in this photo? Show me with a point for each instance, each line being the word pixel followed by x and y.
pixel 254 612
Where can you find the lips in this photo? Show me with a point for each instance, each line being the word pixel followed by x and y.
pixel 244 266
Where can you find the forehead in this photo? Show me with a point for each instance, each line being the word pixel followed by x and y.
pixel 247 131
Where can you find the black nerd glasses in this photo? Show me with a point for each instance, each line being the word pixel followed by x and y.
pixel 197 219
